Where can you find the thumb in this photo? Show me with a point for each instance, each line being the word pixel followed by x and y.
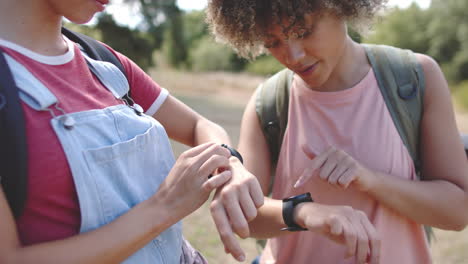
pixel 308 151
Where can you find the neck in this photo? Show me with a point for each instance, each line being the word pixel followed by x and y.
pixel 350 69
pixel 33 25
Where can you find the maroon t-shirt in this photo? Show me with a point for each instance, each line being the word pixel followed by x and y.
pixel 52 211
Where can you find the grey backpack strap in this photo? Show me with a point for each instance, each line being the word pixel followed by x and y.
pixel 402 86
pixel 401 80
pixel 272 103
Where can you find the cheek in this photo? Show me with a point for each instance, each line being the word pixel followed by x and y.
pixel 279 55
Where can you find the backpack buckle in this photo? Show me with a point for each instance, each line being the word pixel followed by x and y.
pixel 407 91
pixel 271 126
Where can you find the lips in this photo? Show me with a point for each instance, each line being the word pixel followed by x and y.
pixel 103 2
pixel 307 69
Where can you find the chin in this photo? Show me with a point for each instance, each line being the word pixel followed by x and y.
pixel 83 19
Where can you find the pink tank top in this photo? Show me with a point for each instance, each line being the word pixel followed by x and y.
pixel 357 121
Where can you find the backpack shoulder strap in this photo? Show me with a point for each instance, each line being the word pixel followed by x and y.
pixel 95 50
pixel 272 103
pixel 401 81
pixel 13 145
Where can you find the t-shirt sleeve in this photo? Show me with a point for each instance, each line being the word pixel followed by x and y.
pixel 144 90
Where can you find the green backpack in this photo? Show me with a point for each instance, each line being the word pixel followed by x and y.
pixel 400 78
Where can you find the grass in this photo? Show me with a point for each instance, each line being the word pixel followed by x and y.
pixel 221 97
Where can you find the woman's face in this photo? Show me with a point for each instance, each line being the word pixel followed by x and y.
pixel 315 54
pixel 77 11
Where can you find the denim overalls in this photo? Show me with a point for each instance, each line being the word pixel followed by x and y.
pixel 117 155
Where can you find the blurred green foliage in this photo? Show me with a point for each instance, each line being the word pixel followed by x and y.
pixel 461 94
pixel 207 55
pixel 440 31
pixel 136 45
pixel 264 65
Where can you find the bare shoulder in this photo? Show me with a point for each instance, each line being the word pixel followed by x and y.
pixel 437 88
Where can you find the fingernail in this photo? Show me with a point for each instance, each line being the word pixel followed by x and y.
pixel 298 183
pixel 242 258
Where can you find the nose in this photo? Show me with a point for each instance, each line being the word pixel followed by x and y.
pixel 295 52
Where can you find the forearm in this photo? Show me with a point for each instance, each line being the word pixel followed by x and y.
pixel 207 131
pixel 269 220
pixel 436 203
pixel 112 243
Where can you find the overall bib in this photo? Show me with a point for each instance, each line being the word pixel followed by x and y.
pixel 118 156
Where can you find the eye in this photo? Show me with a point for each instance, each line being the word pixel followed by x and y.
pixel 305 34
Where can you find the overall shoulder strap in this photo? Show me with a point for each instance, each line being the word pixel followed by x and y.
pixel 401 80
pixel 272 105
pixel 13 145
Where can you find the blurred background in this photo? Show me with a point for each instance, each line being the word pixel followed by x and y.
pixel 171 42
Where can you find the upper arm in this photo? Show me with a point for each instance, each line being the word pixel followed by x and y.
pixel 178 119
pixel 253 146
pixel 9 237
pixel 442 152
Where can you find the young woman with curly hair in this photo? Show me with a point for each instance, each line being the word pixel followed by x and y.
pixel 102 184
pixel 341 144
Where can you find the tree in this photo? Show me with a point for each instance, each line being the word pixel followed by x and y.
pixel 448 31
pixel 165 16
pixel 134 44
pixel 403 28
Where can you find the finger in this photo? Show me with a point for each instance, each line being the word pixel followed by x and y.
pixel 236 216
pixel 347 178
pixel 256 193
pixel 337 174
pixel 217 181
pixel 226 235
pixel 247 204
pixel 327 168
pixel 350 237
pixel 207 153
pixel 374 240
pixel 214 162
pixel 362 240
pixel 308 151
pixel 198 149
pixel 316 163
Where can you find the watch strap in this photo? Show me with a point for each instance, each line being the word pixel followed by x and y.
pixel 288 217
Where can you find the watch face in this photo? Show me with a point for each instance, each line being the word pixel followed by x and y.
pixel 305 197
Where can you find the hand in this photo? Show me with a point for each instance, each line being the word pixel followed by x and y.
pixel 337 168
pixel 234 205
pixel 343 225
pixel 187 186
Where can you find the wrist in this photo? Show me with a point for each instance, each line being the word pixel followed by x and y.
pixel 160 204
pixel 155 212
pixel 298 214
pixel 371 179
pixel 234 152
pixel 289 211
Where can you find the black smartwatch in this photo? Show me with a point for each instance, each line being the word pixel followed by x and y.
pixel 288 211
pixel 234 152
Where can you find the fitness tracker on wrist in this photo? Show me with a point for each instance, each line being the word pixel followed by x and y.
pixel 234 152
pixel 288 211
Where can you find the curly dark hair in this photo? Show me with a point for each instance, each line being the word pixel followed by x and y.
pixel 243 23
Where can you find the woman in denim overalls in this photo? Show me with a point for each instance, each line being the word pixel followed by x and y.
pixel 130 190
